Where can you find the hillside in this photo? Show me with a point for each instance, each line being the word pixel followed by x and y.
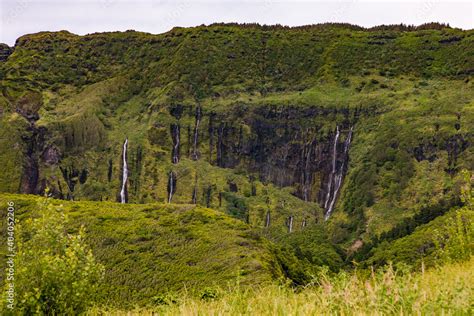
pixel 156 249
pixel 292 147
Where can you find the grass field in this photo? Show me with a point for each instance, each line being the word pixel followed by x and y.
pixel 447 290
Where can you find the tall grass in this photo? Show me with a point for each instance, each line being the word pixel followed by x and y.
pixel 440 291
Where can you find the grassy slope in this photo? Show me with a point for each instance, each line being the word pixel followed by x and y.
pixel 419 246
pixel 447 290
pixel 155 249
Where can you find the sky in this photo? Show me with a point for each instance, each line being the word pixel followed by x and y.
pixel 19 17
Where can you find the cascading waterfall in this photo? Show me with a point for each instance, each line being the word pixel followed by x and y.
pixel 333 171
pixel 306 175
pixel 175 132
pixel 195 155
pixel 337 175
pixel 123 191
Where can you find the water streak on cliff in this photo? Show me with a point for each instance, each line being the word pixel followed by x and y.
pixel 123 191
pixel 338 175
pixel 171 185
pixel 175 134
pixel 195 154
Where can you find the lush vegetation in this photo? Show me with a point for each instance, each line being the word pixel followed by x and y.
pixel 148 250
pixel 56 271
pixel 441 291
pixel 240 127
pixel 184 258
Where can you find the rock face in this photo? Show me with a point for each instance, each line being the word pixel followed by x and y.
pixel 34 139
pixel 51 155
pixel 5 51
pixel 271 143
pixel 30 174
pixel 282 151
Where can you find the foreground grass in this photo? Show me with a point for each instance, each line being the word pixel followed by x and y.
pixel 446 290
pixel 153 249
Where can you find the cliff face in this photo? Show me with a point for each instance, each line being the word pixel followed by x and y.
pixel 273 126
pixel 274 144
pixel 5 51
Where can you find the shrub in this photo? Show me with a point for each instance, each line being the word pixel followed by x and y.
pixel 456 242
pixel 56 272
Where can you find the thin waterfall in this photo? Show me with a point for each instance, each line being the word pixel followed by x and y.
pixel 290 224
pixel 123 191
pixel 306 174
pixel 333 171
pixel 196 133
pixel 267 219
pixel 175 133
pixel 338 176
pixel 303 223
pixel 171 185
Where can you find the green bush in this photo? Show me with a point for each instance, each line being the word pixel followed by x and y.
pixel 456 241
pixel 56 272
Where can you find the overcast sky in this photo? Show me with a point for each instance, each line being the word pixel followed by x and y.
pixel 20 17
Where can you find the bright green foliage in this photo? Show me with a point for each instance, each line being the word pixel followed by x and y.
pixel 12 158
pixel 147 249
pixel 456 242
pixel 56 272
pixel 448 237
pixel 442 291
pixel 266 94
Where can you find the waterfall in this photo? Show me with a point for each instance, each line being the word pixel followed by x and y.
pixel 175 133
pixel 196 133
pixel 306 175
pixel 303 223
pixel 290 224
pixel 171 185
pixel 333 171
pixel 210 130
pixel 267 219
pixel 337 175
pixel 123 191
